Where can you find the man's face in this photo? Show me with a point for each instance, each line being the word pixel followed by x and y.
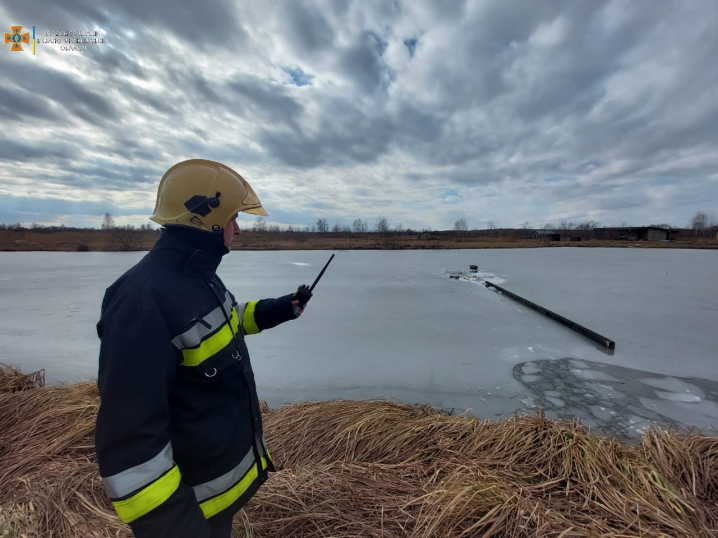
pixel 230 231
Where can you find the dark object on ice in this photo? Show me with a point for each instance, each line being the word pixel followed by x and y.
pixel 474 268
pixel 455 277
pixel 610 344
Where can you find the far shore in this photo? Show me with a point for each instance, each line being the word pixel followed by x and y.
pixel 123 240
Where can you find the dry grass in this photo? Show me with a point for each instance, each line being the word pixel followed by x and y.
pixel 13 380
pixel 382 470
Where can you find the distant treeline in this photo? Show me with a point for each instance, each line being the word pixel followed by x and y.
pixel 701 225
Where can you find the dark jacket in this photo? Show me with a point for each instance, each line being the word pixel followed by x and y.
pixel 179 431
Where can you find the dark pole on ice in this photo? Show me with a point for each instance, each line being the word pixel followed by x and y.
pixel 610 344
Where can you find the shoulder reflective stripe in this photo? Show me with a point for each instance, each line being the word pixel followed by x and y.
pixel 248 321
pixel 149 498
pixel 121 484
pixel 213 344
pixel 216 504
pixel 193 336
pixel 224 482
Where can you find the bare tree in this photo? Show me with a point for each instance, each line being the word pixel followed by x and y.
pixel 107 221
pixel 322 226
pixel 588 225
pixel 549 226
pixel 360 226
pixel 460 226
pixel 492 228
pixel 566 225
pixel 290 228
pixel 259 224
pixel 699 222
pixel 399 228
pixel 382 225
pixel 336 229
pixel 525 225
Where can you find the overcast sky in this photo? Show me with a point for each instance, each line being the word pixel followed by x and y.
pixel 423 112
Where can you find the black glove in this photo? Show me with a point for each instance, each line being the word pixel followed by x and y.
pixel 303 295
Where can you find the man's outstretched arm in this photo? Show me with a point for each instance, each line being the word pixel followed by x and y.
pixel 257 316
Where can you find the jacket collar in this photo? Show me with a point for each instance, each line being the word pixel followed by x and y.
pixel 196 252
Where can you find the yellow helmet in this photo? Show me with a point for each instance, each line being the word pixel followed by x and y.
pixel 204 195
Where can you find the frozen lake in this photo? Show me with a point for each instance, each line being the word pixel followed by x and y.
pixel 393 324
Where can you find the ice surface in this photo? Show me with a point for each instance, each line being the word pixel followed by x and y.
pixel 671 384
pixel 558 402
pixel 393 324
pixel 592 374
pixel 677 397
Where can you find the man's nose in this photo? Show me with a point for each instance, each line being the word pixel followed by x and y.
pixel 237 230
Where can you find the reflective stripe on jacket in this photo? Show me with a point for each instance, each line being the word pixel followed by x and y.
pixel 179 431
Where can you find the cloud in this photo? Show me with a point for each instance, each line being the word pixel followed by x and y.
pixel 531 111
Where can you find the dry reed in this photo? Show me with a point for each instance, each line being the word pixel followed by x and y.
pixel 382 470
pixel 13 380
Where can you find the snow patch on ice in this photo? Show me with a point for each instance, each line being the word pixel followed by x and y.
pixel 300 264
pixel 677 397
pixel 671 384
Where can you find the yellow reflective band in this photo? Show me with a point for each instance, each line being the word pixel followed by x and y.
pixel 216 504
pixel 149 498
pixel 213 344
pixel 248 321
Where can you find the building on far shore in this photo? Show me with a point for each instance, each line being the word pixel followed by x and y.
pixel 645 233
pixel 547 235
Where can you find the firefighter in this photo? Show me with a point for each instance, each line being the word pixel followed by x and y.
pixel 179 430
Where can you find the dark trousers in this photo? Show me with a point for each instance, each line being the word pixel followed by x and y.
pixel 221 526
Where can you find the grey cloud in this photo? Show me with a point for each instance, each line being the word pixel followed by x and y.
pixel 208 24
pixel 18 104
pixel 44 207
pixel 362 62
pixel 345 134
pixel 42 150
pixel 572 73
pixel 271 102
pixel 61 88
pixel 114 61
pixel 156 102
pixel 117 176
pixel 306 26
pixel 70 15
